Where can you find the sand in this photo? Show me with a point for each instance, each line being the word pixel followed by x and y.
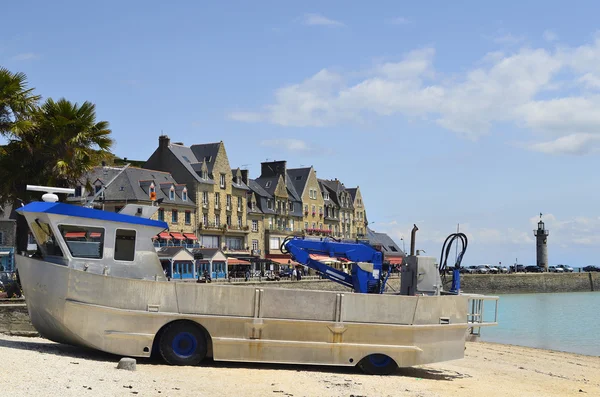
pixel 38 367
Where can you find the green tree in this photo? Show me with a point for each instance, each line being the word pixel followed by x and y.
pixel 54 144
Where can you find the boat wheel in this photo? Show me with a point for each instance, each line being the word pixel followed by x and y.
pixel 182 343
pixel 377 364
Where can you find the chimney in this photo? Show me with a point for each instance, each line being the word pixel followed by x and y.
pixel 273 168
pixel 245 176
pixel 163 141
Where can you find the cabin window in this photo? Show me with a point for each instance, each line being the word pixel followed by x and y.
pixel 124 245
pixel 83 241
pixel 45 239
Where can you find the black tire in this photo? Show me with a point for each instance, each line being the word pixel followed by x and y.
pixel 182 343
pixel 377 364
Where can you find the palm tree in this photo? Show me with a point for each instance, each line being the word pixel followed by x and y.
pixel 16 102
pixel 62 143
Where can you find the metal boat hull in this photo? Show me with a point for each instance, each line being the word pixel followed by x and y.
pixel 123 316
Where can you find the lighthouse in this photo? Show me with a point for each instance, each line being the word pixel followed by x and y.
pixel 541 239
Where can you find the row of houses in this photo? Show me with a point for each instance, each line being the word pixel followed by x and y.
pixel 210 205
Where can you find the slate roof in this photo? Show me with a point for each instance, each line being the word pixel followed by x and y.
pixel 352 192
pixel 389 247
pixel 207 253
pixel 186 156
pixel 257 188
pixel 299 177
pixel 206 152
pixel 268 187
pixel 134 185
pixel 332 200
pixel 292 189
pixel 169 252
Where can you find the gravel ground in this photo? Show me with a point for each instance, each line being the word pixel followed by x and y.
pixel 38 367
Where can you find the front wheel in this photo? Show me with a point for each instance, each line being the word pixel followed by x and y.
pixel 377 364
pixel 182 343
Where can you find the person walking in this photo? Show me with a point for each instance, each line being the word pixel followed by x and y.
pixel 294 274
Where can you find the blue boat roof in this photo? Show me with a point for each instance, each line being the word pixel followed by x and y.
pixel 83 212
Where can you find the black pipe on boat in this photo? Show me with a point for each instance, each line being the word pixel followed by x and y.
pixel 412 239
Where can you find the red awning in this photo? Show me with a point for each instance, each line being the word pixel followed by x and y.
pixel 165 236
pixel 281 261
pixel 394 260
pixel 177 236
pixel 95 235
pixel 75 235
pixel 236 261
pixel 190 236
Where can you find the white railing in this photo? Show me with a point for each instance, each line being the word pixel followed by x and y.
pixel 475 312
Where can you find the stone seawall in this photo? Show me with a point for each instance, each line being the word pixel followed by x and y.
pixel 14 320
pixel 530 283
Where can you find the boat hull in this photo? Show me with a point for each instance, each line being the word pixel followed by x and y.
pixel 251 324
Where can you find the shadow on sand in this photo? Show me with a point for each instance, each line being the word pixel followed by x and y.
pixel 48 347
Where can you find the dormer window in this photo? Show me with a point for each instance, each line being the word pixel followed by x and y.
pixel 325 196
pixel 238 180
pixel 204 174
pixel 184 195
pixel 268 184
pixel 222 182
pixel 172 193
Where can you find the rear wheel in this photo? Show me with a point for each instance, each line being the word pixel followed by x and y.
pixel 377 364
pixel 182 343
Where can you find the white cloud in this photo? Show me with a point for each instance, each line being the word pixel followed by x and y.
pixel 501 87
pixel 550 36
pixel 296 145
pixel 577 230
pixel 26 56
pixel 400 21
pixel 318 19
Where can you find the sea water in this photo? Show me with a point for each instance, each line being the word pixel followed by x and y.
pixel 567 322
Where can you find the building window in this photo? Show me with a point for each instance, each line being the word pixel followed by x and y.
pixel 217 199
pixel 320 226
pixel 161 214
pixel 240 221
pixel 314 209
pixel 306 208
pixel 274 243
pixel 325 196
pixel 204 174
pixel 228 220
pixel 240 205
pixel 124 245
pixel 254 225
pixel 188 217
pixel 174 216
pixel 292 225
pixel 172 194
pixel 314 225
pixel 268 184
pixel 234 243
pixel 255 245
pixel 205 198
pixel 184 195
pixel 217 220
pixel 222 184
pixel 305 225
pixel 205 219
pixel 97 188
pixel 270 204
pixel 229 201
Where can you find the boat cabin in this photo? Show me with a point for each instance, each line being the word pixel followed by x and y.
pixel 96 241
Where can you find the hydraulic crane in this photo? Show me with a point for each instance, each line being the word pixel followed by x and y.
pixel 366 275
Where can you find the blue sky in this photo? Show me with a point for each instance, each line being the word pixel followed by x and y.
pixel 471 113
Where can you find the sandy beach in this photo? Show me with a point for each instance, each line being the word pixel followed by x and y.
pixel 38 367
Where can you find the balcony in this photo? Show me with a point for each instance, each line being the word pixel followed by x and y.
pixel 242 251
pixel 176 244
pixel 281 229
pixel 211 226
pixel 318 232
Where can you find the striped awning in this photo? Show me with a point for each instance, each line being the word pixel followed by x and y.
pixel 394 260
pixel 190 236
pixel 164 236
pixel 236 261
pixel 95 234
pixel 177 236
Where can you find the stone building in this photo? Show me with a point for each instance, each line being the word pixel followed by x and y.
pixel 338 194
pixel 360 213
pixel 140 186
pixel 8 239
pixel 220 197
pixel 331 209
pixel 307 186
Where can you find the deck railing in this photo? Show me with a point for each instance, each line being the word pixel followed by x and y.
pixel 475 313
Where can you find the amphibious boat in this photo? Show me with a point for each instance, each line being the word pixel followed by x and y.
pixel 97 282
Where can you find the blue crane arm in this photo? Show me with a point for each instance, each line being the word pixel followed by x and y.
pixel 300 249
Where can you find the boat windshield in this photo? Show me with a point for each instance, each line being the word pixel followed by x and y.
pixel 83 241
pixel 45 238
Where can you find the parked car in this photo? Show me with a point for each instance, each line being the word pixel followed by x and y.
pixel 517 268
pixel 467 270
pixel 591 268
pixel 502 269
pixel 285 273
pixel 533 269
pixel 483 269
pixel 491 269
pixel 566 269
pixel 555 269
